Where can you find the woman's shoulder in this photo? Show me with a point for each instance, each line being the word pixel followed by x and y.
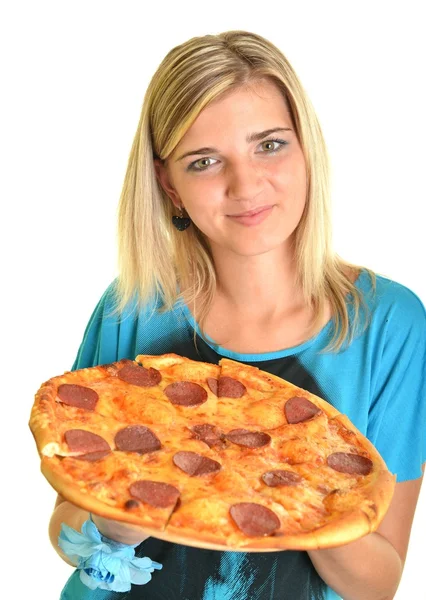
pixel 109 304
pixel 391 299
pixel 112 334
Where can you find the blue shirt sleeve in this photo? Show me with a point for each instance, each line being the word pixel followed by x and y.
pixel 397 416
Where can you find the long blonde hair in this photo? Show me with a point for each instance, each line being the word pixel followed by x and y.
pixel 155 260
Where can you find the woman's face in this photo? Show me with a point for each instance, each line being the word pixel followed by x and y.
pixel 243 190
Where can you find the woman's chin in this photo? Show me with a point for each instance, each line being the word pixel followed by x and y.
pixel 258 247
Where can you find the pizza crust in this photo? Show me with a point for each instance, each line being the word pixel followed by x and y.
pixel 42 421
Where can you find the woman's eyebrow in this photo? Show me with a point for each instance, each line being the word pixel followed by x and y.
pixel 252 137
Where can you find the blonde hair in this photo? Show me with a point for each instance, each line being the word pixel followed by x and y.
pixel 158 262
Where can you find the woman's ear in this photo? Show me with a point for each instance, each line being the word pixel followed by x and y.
pixel 164 180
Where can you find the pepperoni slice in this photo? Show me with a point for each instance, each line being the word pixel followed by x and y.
pixel 80 440
pixel 155 493
pixel 344 462
pixel 210 434
pixel 250 439
pixel 140 376
pixel 137 438
pixel 78 396
pixel 254 519
pixel 185 393
pixel 212 383
pixel 299 409
pixel 281 477
pixel 230 388
pixel 195 464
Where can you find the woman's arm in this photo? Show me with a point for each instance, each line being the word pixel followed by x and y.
pixel 74 517
pixel 371 568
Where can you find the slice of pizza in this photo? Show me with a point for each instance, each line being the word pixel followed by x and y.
pixel 122 392
pixel 266 397
pixel 243 396
pixel 140 479
pixel 112 486
pixel 64 423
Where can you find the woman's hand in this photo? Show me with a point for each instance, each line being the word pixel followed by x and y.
pixel 371 567
pixel 118 531
pixel 74 517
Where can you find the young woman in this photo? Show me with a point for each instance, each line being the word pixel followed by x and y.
pixel 225 251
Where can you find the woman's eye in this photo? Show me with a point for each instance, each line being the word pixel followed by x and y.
pixel 193 166
pixel 270 146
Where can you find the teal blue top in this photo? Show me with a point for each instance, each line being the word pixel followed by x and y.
pixel 378 382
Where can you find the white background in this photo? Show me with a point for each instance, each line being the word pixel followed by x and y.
pixel 73 78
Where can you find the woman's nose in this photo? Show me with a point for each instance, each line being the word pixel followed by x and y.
pixel 244 181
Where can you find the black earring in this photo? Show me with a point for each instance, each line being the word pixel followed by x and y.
pixel 181 223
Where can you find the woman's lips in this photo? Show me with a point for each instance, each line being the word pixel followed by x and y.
pixel 253 217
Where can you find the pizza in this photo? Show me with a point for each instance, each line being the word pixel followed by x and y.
pixel 226 457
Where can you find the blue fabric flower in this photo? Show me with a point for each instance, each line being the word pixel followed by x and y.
pixel 104 563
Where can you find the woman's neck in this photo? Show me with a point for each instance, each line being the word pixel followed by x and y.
pixel 260 285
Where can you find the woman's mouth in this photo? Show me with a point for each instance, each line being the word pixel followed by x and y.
pixel 252 217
